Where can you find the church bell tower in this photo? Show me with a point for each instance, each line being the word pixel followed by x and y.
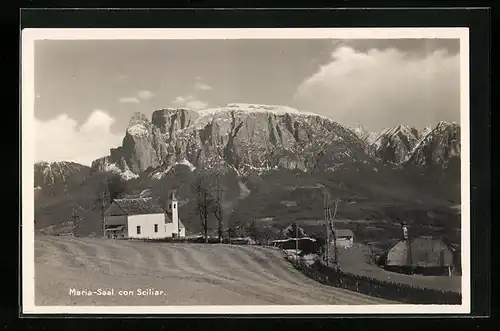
pixel 173 210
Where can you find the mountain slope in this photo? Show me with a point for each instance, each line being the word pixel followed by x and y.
pixel 395 144
pixel 49 174
pixel 275 161
pixel 366 136
pixel 438 147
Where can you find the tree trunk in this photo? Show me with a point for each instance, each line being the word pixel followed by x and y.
pixel 220 229
pixel 205 215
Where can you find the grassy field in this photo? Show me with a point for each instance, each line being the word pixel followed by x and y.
pixel 188 274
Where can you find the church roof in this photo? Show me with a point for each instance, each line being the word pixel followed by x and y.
pixel 139 206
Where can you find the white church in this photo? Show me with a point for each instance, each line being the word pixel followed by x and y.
pixel 142 218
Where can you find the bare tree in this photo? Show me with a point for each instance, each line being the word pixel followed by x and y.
pixel 102 202
pixel 203 202
pixel 76 222
pixel 111 188
pixel 218 210
pixel 329 219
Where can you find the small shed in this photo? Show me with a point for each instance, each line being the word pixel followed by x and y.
pixel 421 255
pixel 344 238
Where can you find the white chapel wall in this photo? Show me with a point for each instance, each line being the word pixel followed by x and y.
pixel 147 222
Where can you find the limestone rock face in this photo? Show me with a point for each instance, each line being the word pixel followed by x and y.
pixel 252 137
pixel 244 136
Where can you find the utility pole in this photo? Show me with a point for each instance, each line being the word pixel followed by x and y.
pixel 336 257
pixel 296 237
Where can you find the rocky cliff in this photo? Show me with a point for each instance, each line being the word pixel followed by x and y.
pixel 252 137
pixel 244 136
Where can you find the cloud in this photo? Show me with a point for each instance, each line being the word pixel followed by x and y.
pixel 202 86
pixel 61 139
pixel 121 78
pixel 189 102
pixel 382 88
pixel 411 46
pixel 196 104
pixel 129 100
pixel 145 94
pixel 181 100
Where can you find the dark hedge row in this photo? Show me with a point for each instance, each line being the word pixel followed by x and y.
pixel 374 287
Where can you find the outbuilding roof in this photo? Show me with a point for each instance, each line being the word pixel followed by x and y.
pixel 342 233
pixel 421 251
pixel 139 206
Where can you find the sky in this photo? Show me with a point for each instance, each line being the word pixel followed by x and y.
pixel 87 90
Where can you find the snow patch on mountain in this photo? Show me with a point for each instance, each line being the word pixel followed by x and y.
pixel 161 173
pixel 207 115
pixel 367 136
pixel 50 173
pixel 127 174
pixel 138 130
pixel 425 131
pixel 187 163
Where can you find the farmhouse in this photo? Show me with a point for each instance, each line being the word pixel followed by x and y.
pixel 143 218
pixel 421 255
pixel 344 238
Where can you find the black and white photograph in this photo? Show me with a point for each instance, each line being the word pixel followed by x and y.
pixel 245 171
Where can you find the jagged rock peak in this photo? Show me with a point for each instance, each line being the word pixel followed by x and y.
pixel 393 145
pixel 425 131
pixel 138 117
pixel 173 119
pixel 443 125
pixel 400 129
pixel 139 126
pixel 438 146
pixel 365 135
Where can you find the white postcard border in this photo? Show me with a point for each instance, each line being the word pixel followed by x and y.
pixel 28 96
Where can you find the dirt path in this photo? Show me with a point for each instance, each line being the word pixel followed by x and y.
pixel 188 274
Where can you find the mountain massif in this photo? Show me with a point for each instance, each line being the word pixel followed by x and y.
pixel 268 151
pixel 253 137
pixel 242 136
